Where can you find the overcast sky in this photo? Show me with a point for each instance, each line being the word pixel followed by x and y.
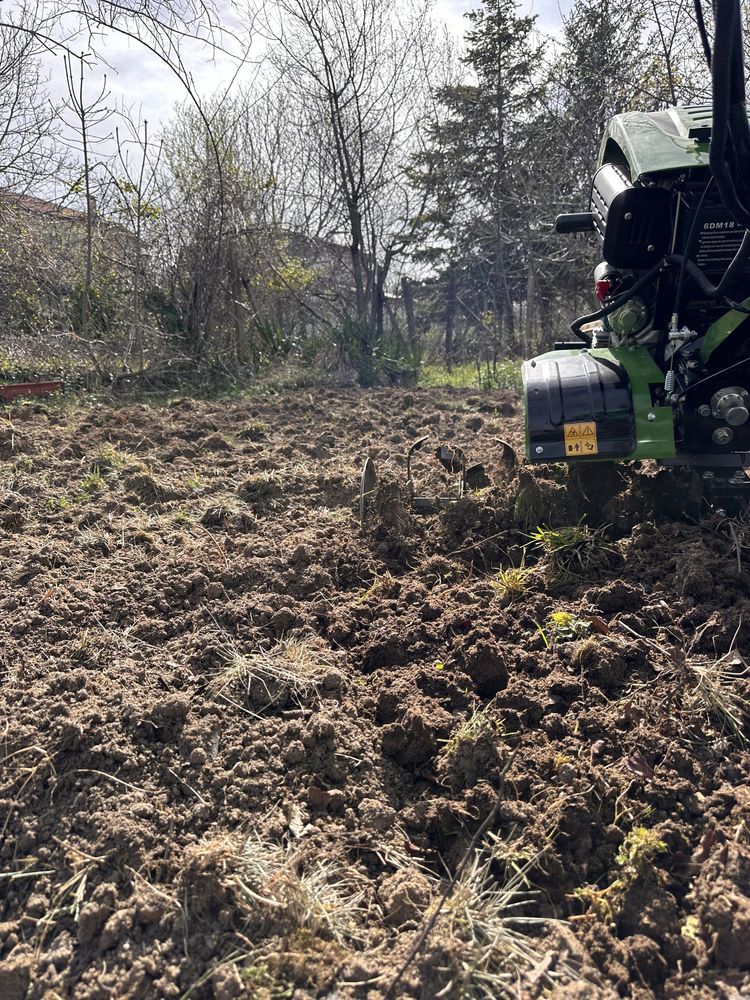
pixel 145 85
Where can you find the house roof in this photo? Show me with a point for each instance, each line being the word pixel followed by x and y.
pixel 39 206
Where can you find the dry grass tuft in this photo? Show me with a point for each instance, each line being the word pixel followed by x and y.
pixel 304 894
pixel 109 460
pixel 483 723
pixel 276 884
pixel 254 432
pixel 295 667
pixel 488 915
pixel 721 691
pixel 228 512
pixel 262 490
pixel 145 486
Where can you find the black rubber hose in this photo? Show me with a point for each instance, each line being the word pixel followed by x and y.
pixel 671 260
pixel 644 279
pixel 725 99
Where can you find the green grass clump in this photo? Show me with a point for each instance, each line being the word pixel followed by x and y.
pixel 254 432
pixel 481 723
pixel 512 582
pixel 109 460
pixel 573 551
pixel 638 852
pixel 55 504
pixel 92 482
pixel 634 862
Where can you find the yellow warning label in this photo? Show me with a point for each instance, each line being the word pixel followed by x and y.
pixel 580 439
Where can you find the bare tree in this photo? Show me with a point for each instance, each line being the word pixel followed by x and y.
pixel 357 75
pixel 89 114
pixel 135 180
pixel 28 119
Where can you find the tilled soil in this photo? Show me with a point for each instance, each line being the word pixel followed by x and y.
pixel 250 749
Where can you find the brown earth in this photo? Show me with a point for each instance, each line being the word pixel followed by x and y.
pixel 251 750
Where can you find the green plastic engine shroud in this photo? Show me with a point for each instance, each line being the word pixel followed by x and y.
pixel 596 404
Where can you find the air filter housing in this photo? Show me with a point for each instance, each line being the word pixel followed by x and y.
pixel 632 223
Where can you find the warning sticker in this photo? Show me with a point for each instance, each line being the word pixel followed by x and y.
pixel 580 439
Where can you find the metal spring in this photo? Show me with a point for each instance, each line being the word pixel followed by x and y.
pixel 669 381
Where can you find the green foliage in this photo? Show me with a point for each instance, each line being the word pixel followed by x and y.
pixel 292 275
pixel 634 862
pixel 149 211
pixel 377 360
pixel 58 504
pixel 106 300
pixel 92 482
pixel 505 374
pixel 110 459
pixel 274 340
pixel 254 432
pixel 638 852
pixel 564 626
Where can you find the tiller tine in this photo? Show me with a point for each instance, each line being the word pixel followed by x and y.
pixel 367 483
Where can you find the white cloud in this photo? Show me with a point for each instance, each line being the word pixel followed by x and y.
pixel 141 81
pixel 549 12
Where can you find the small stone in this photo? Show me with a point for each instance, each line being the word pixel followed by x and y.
pixel 227 983
pixel 294 753
pixel 283 621
pixel 332 680
pixel 336 801
pixel 323 729
pixel 377 815
pixel 148 911
pixel 301 554
pixel 176 706
pixel 115 928
pixel 318 798
pixel 406 895
pixel 566 774
pixel 37 905
pixel 15 975
pixel 198 757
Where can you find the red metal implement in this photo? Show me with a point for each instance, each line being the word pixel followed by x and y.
pixel 16 389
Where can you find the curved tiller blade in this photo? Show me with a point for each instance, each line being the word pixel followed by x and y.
pixel 367 483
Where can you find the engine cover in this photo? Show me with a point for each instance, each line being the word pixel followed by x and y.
pixel 578 406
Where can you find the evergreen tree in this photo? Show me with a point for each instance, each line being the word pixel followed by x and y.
pixel 475 162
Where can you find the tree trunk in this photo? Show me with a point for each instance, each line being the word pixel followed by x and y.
pixel 450 317
pixel 411 321
pixel 530 302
